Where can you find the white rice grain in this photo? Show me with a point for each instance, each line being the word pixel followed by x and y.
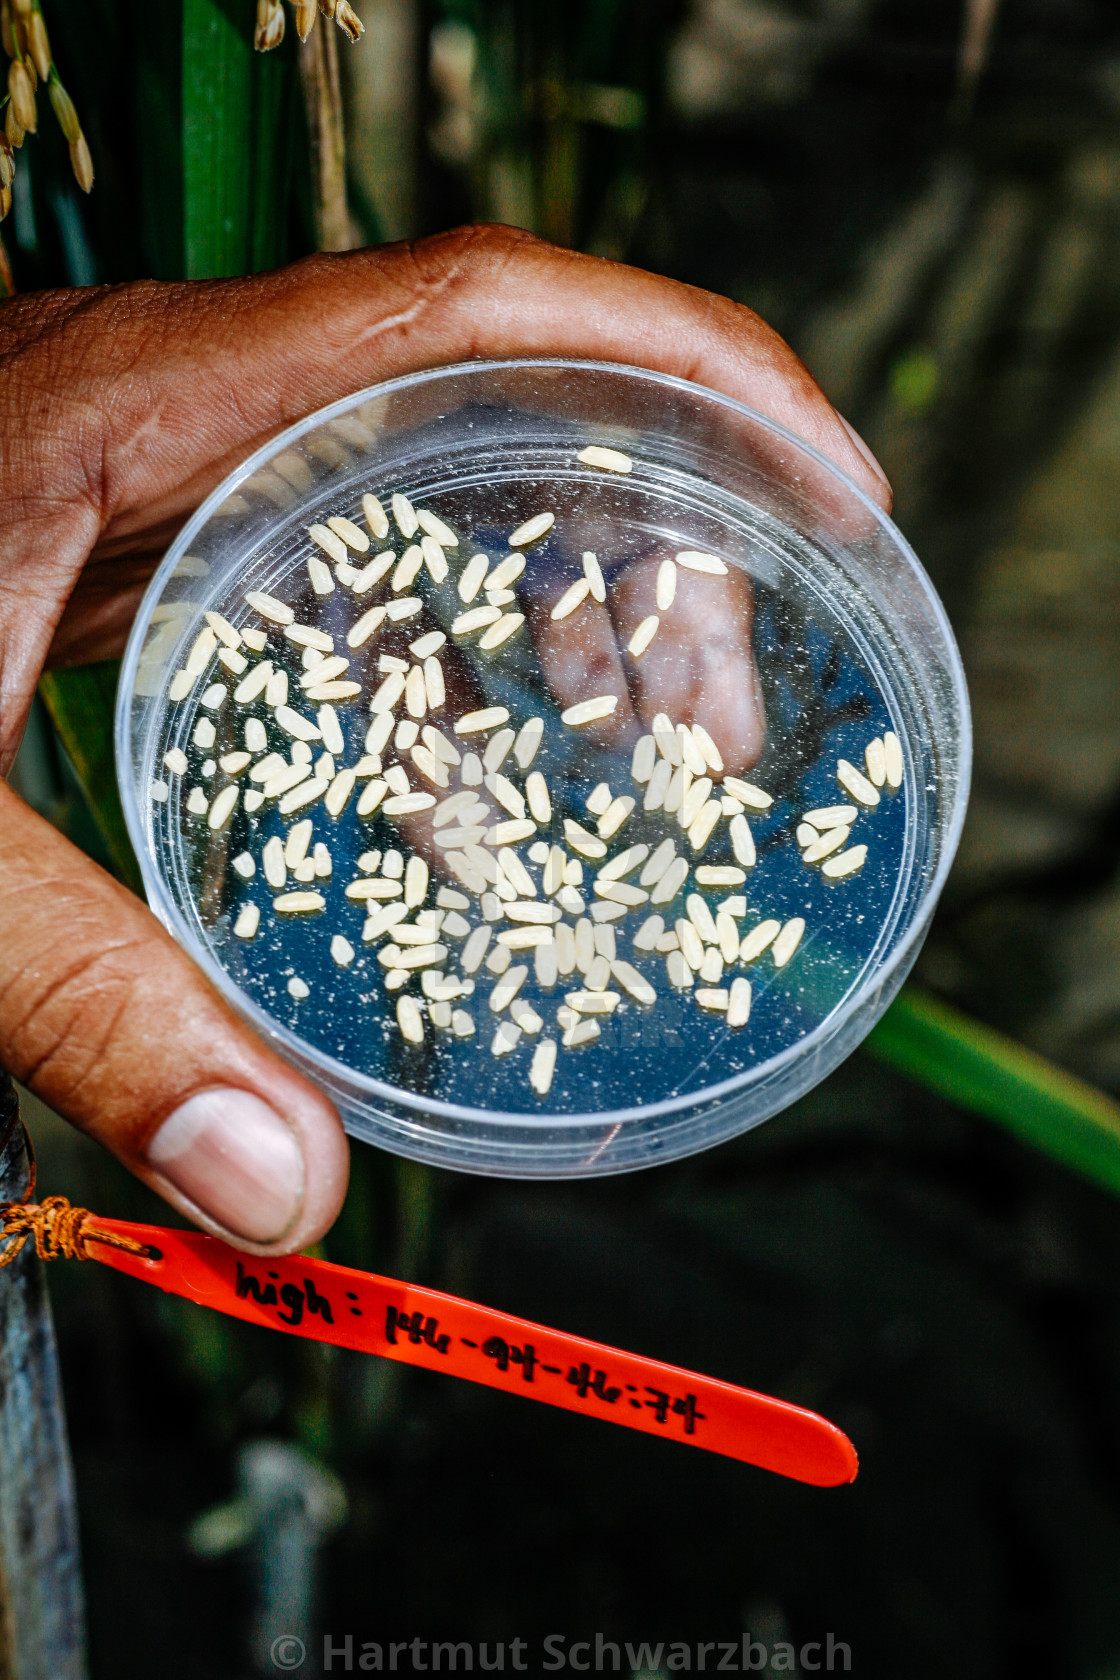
pixel 573 597
pixel 471 578
pixel 489 717
pixel 694 561
pixel 711 997
pixel 532 529
pixel 330 543
pixel 509 833
pixel 742 842
pixel 593 572
pixel 434 527
pixel 500 631
pixel 372 573
pixel 658 787
pixel 331 730
pixel 854 781
pixel 405 804
pixel 643 635
pixel 233 661
pixel 758 939
pixel 644 759
pixel 787 941
pixel 666 585
pixel 543 1066
pixel 749 795
pixel 671 882
pixel 845 863
pixel 324 670
pixel 342 952
pixel 300 728
pixel 589 711
pixel 298 903
pixel 830 841
pixel 376 517
pixel 607 460
pixel 506 573
pixel 581 841
pixel 409 1019
pixel 277 612
pixel 223 807
pixel 359 634
pixel 875 761
pixel 624 862
pixel 719 875
pixel 352 535
pixel 614 816
pixel 305 794
pixel 701 829
pixel 649 933
pixel 248 921
pixel 371 796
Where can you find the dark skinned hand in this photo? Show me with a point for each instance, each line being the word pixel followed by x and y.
pixel 120 408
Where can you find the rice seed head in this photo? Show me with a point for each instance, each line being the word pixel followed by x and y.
pixel 7 162
pixel 38 45
pixel 13 131
pixel 81 163
pixel 269 31
pixel 306 13
pixel 7 38
pixel 22 96
pixel 348 21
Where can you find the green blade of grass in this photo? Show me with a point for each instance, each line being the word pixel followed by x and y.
pixel 217 137
pixel 983 1071
pixel 237 142
pixel 80 702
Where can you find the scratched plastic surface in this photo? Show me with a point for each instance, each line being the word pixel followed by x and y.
pixel 836 666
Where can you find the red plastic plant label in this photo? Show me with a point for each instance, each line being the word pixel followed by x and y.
pixel 329 1303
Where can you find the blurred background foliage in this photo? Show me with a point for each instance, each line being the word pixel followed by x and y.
pixel 925 200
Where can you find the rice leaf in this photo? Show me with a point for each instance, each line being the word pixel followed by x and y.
pixel 237 146
pixel 984 1071
pixel 80 701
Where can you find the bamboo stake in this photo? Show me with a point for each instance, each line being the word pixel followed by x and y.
pixel 42 1610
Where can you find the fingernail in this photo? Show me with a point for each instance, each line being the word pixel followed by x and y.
pixel 236 1160
pixel 864 451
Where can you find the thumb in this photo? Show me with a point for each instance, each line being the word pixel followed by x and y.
pixel 110 1023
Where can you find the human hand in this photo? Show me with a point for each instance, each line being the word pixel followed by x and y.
pixel 120 408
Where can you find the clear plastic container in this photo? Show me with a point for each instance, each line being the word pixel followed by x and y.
pixel 826 626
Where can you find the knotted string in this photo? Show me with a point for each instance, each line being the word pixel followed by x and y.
pixel 60 1231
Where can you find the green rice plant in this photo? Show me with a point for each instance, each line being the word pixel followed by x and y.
pixel 987 1073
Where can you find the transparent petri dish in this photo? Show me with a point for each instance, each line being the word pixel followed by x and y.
pixel 794 630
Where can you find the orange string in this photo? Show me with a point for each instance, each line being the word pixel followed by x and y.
pixel 60 1231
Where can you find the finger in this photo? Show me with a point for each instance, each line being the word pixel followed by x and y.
pixel 700 666
pixel 579 658
pixel 110 1023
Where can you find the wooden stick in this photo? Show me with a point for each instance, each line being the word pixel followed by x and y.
pixel 42 1610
